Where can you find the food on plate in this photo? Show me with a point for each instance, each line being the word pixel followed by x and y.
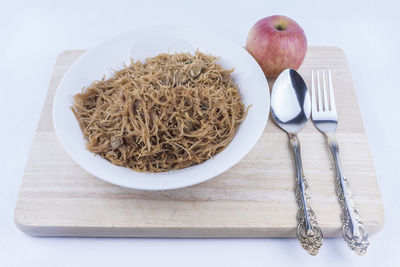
pixel 168 112
pixel 277 43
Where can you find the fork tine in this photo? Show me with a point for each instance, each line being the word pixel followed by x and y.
pixel 326 104
pixel 313 96
pixel 331 93
pixel 319 91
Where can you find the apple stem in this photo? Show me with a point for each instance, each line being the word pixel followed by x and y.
pixel 279 27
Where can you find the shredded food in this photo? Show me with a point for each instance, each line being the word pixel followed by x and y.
pixel 169 112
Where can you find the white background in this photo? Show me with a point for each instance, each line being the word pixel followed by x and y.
pixel 33 33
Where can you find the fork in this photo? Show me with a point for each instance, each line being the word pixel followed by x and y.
pixel 325 119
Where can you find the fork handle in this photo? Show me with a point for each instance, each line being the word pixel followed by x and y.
pixel 353 229
pixel 308 232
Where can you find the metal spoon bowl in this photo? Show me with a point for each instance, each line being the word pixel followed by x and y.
pixel 290 101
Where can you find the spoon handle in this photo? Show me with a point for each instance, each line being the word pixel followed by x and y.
pixel 353 229
pixel 308 231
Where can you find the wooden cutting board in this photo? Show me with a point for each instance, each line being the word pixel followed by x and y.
pixel 255 198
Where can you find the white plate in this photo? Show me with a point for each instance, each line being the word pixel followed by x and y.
pixel 143 43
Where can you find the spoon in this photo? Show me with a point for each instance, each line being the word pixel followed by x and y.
pixel 291 108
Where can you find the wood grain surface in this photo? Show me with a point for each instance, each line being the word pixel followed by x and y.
pixel 255 198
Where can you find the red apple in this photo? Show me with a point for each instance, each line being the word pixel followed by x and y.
pixel 277 43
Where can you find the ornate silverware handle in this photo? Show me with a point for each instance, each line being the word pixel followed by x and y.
pixel 308 231
pixel 353 230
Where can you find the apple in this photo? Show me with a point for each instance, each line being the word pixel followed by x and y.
pixel 277 43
